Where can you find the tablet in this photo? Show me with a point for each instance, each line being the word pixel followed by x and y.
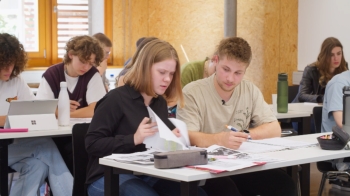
pixel 32 114
pixel 27 107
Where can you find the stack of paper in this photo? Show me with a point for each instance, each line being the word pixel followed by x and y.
pixel 223 159
pixel 145 157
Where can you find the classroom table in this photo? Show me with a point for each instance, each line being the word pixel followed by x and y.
pixel 299 112
pixel 7 138
pixel 189 178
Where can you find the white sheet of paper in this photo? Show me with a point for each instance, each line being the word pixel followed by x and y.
pixel 164 139
pixel 183 130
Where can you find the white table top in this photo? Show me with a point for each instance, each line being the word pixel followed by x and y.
pixel 292 114
pixel 291 157
pixel 297 110
pixel 60 131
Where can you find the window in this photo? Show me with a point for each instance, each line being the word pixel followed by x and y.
pixel 71 20
pixel 20 18
pixel 44 26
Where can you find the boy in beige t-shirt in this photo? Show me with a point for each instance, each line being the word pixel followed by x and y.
pixel 226 99
pixel 206 112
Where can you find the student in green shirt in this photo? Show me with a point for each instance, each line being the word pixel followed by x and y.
pixel 196 70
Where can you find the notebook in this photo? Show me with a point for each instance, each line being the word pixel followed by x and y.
pixel 32 114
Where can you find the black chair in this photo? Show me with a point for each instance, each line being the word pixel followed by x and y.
pixel 80 158
pixel 292 92
pixel 325 167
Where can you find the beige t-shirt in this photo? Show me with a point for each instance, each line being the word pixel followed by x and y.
pixel 204 111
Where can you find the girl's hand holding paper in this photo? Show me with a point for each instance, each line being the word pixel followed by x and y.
pixel 144 130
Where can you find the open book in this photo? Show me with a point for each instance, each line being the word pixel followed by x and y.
pixel 273 144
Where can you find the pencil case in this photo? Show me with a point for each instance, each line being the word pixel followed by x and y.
pixel 337 141
pixel 180 158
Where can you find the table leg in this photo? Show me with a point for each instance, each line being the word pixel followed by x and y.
pixel 4 166
pixel 189 188
pixel 293 172
pixel 305 179
pixel 111 182
pixel 304 126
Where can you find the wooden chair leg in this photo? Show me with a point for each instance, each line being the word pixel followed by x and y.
pixel 323 180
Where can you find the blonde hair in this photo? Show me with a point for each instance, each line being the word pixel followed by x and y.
pixel 139 76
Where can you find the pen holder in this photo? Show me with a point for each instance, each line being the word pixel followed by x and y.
pixel 338 141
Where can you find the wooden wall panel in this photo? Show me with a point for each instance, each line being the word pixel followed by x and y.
pixel 130 22
pixel 269 26
pixel 198 25
pixel 289 38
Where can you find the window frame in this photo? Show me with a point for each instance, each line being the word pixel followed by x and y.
pixel 48 53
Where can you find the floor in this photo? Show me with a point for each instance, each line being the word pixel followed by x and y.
pixel 315 184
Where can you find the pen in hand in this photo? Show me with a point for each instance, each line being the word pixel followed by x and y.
pixel 236 130
pixel 231 128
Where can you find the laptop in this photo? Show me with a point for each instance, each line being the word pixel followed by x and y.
pixel 32 114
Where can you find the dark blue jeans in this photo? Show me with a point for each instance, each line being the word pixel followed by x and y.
pixel 131 185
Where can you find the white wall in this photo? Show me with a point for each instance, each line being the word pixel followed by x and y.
pixel 96 16
pixel 319 19
pixel 35 76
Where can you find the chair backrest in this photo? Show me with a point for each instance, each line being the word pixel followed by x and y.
pixel 292 92
pixel 80 158
pixel 317 115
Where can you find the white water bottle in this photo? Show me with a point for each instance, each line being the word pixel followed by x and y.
pixel 63 106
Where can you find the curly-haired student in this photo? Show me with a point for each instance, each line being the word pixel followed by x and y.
pixel 34 158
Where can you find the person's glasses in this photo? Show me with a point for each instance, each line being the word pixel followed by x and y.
pixel 107 53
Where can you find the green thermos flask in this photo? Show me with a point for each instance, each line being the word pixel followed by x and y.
pixel 282 93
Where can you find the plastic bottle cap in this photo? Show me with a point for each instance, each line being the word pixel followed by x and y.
pixel 63 84
pixel 282 76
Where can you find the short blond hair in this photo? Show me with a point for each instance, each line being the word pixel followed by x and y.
pixel 139 76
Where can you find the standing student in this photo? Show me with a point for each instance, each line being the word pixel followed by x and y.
pixel 83 80
pixel 330 62
pixel 107 46
pixel 34 158
pixel 226 99
pixel 120 121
